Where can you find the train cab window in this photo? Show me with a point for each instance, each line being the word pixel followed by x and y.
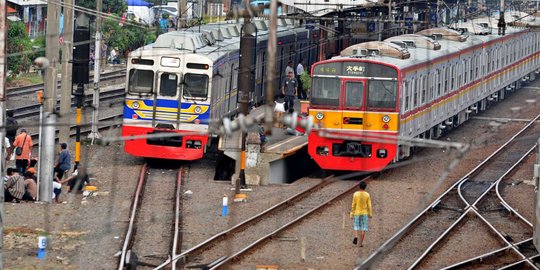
pixel 141 81
pixel 382 94
pixel 325 91
pixel 195 86
pixel 168 84
pixel 354 95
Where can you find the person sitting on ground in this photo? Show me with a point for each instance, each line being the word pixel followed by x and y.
pixel 57 189
pixel 31 171
pixel 77 180
pixel 14 187
pixel 30 186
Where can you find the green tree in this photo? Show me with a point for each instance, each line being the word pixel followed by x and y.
pixel 127 37
pixel 19 46
pixel 114 6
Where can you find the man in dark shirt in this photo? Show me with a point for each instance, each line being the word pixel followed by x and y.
pixel 290 90
pixel 64 162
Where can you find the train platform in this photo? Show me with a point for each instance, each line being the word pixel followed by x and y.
pixel 267 164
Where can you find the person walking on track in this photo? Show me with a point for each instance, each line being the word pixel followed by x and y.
pixel 360 211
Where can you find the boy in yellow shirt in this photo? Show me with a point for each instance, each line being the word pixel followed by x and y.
pixel 360 211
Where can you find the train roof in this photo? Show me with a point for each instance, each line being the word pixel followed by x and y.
pixel 213 40
pixel 419 55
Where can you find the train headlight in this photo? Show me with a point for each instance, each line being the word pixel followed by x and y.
pixel 319 116
pixel 197 109
pixel 135 105
pixel 381 153
pixel 386 118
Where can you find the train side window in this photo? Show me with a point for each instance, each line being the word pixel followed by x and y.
pixel 168 84
pixel 354 95
pixel 424 89
pixel 446 76
pixel 195 85
pixel 414 90
pixel 407 95
pixel 439 82
pixel 141 81
pixel 466 64
pixel 453 76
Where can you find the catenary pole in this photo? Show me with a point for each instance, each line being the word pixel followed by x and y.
pixel 270 68
pixel 245 79
pixel 94 133
pixel 3 68
pixel 67 54
pixel 49 104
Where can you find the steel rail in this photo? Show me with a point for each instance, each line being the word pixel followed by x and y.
pixel 512 246
pixel 474 204
pixel 405 229
pixel 505 204
pixel 483 256
pixel 513 265
pixel 17 91
pixel 73 132
pixel 33 110
pixel 177 220
pixel 238 226
pixel 134 210
pixel 508 207
pixel 294 221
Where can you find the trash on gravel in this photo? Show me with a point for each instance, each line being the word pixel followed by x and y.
pixel 189 192
pixel 117 253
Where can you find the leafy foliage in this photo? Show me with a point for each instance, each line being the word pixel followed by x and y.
pixel 113 6
pixel 18 45
pixel 127 37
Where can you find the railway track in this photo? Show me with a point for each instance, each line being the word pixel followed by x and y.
pixel 106 123
pixel 30 89
pixel 476 197
pixel 33 110
pixel 153 232
pixel 226 247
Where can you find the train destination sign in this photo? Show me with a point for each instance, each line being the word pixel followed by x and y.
pixel 350 68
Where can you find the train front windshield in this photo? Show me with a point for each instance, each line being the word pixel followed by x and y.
pixel 354 85
pixel 141 81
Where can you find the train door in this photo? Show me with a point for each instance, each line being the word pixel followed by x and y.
pixel 353 92
pixel 167 105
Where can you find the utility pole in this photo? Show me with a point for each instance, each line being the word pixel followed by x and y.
pixel 502 24
pixel 270 69
pixel 94 133
pixel 3 68
pixel 182 6
pixel 248 41
pixel 49 104
pixel 67 53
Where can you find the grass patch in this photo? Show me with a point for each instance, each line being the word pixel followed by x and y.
pixel 33 78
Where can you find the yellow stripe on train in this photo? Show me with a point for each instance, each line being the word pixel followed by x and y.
pixel 140 105
pixel 351 120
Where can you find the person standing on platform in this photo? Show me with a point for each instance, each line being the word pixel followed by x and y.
pixel 360 211
pixel 290 90
pixel 289 69
pixel 22 156
pixel 299 72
